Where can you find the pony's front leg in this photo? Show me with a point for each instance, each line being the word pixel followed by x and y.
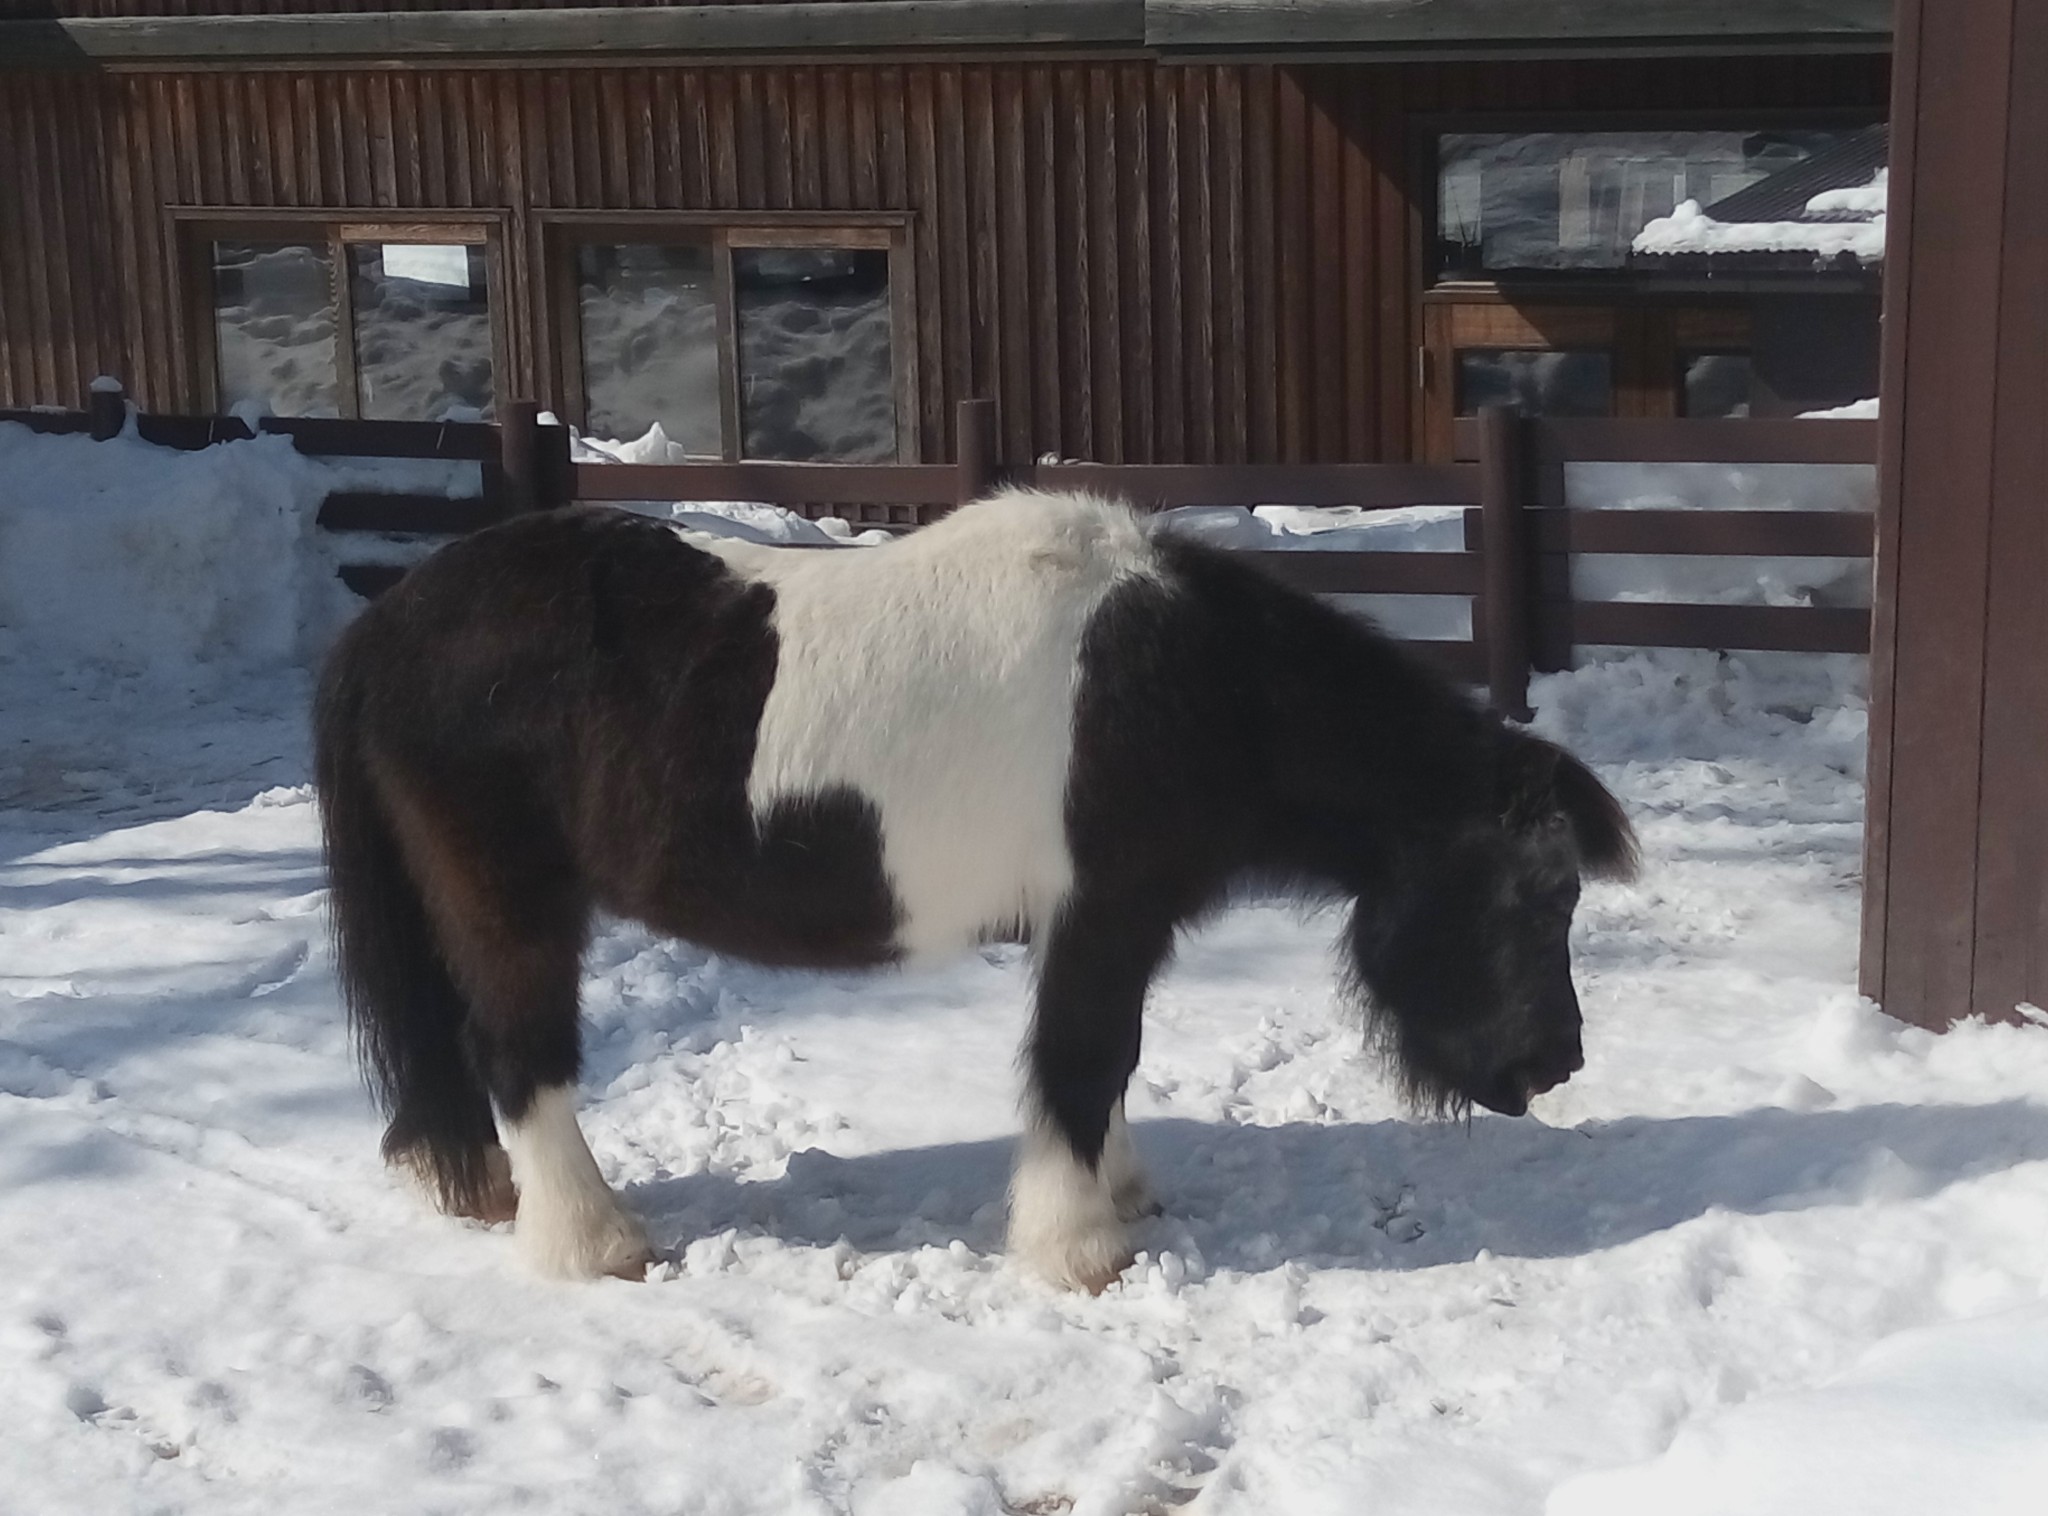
pixel 1077 1180
pixel 512 925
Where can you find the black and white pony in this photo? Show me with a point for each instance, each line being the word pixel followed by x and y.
pixel 1033 720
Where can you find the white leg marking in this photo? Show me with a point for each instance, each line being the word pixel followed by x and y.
pixel 1122 1172
pixel 1063 1220
pixel 570 1224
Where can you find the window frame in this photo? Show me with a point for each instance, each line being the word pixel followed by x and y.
pixel 194 230
pixel 561 232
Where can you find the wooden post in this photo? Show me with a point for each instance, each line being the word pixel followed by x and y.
pixel 1506 567
pixel 519 455
pixel 1955 901
pixel 977 456
pixel 106 408
pixel 555 472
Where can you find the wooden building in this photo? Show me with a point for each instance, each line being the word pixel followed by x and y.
pixel 1150 230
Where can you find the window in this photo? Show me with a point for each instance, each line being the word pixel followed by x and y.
pixel 649 320
pixel 1536 382
pixel 814 362
pixel 1520 201
pixel 312 318
pixel 777 342
pixel 1665 270
pixel 273 310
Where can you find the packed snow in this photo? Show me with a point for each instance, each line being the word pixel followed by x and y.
pixel 1769 1251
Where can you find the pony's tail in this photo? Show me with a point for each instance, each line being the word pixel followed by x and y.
pixel 404 1008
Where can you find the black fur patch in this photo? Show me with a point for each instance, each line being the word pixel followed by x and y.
pixel 553 715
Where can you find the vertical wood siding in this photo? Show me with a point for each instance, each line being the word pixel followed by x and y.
pixel 1139 262
pixel 1956 912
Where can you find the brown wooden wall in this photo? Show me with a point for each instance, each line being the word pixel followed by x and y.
pixel 1139 261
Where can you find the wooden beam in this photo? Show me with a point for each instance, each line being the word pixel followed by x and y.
pixel 836 27
pixel 1955 917
pixel 1551 28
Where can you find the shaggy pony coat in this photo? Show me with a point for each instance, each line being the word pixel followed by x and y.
pixel 1033 720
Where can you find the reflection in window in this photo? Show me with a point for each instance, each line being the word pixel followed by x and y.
pixel 1575 200
pixel 1716 385
pixel 1563 383
pixel 423 330
pixel 273 322
pixel 815 371
pixel 650 342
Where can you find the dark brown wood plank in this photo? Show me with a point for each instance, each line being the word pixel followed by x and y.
pixel 1361 573
pixel 370 579
pixel 1369 485
pixel 2011 959
pixel 1944 275
pixel 375 511
pixel 1814 534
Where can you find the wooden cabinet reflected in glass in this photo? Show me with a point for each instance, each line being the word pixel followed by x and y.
pixel 274 324
pixel 816 375
pixel 649 321
pixel 1556 383
pixel 422 330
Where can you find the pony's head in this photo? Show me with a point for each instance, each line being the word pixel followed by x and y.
pixel 1465 965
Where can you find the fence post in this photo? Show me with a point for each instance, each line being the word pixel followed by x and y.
pixel 976 425
pixel 1506 569
pixel 106 408
pixel 519 455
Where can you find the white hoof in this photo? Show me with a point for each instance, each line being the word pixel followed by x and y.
pixel 583 1241
pixel 570 1225
pixel 1063 1220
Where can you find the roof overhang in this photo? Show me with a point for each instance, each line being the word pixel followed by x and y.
pixel 1421 29
pixel 1320 30
pixel 836 28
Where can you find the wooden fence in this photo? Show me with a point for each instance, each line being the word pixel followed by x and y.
pixel 1520 532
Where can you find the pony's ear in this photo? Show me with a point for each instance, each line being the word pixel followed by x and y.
pixel 1542 783
pixel 1607 843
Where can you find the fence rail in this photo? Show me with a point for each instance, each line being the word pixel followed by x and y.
pixel 1521 532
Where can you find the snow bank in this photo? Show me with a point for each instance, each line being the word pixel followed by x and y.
pixel 1950 1418
pixel 188 570
pixel 143 559
pixel 1663 704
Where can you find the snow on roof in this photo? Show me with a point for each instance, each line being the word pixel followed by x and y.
pixel 1863 200
pixel 1832 222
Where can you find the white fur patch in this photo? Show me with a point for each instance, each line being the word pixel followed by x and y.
pixel 570 1224
pixel 1121 1172
pixel 1063 1221
pixel 936 676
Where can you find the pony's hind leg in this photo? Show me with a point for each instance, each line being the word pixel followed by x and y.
pixel 1077 1179
pixel 511 917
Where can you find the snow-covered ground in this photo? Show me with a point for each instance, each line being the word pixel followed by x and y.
pixel 1768 1252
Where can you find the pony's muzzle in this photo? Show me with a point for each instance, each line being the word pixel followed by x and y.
pixel 1520 1083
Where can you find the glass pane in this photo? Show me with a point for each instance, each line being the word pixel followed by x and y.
pixel 1575 200
pixel 650 343
pixel 423 329
pixel 273 322
pixel 1560 383
pixel 1716 384
pixel 816 377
